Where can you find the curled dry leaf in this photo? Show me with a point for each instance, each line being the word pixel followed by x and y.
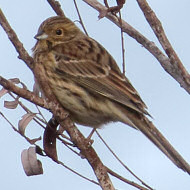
pixel 23 123
pixel 30 164
pixel 49 140
pixel 17 81
pixel 11 104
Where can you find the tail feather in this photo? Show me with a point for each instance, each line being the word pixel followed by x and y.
pixel 149 130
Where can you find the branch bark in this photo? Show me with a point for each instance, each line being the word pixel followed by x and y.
pixel 56 7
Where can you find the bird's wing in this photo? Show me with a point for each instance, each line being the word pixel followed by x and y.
pixel 104 79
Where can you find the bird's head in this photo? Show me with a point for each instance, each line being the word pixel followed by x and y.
pixel 56 30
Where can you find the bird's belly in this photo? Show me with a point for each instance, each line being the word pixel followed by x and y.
pixel 85 108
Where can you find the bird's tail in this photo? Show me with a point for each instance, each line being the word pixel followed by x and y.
pixel 149 130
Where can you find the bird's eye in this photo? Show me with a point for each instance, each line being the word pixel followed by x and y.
pixel 58 32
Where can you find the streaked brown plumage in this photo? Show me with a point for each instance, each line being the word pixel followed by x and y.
pixel 88 83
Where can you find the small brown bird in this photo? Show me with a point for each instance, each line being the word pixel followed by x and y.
pixel 88 83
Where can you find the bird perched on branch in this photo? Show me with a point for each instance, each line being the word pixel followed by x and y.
pixel 87 82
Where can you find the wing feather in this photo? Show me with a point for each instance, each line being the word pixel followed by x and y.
pixel 102 79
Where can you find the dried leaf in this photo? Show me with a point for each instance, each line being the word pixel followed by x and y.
pixel 31 165
pixel 11 104
pixel 3 92
pixel 49 139
pixel 22 124
pixel 17 81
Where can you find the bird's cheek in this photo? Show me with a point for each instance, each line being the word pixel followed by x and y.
pixel 49 44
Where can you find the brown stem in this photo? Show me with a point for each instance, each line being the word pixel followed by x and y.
pixel 122 44
pixel 80 18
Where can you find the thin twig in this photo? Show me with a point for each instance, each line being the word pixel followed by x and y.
pixel 122 43
pixel 80 175
pixel 75 152
pixel 80 18
pixel 43 118
pixel 126 180
pixel 23 55
pixel 126 167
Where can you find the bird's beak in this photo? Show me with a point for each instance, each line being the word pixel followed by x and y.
pixel 41 36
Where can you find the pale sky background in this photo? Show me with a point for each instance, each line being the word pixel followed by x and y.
pixel 167 102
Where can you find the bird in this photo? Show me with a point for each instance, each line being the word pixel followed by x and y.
pixel 88 83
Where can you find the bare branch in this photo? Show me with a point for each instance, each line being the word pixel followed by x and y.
pixel 111 172
pixel 80 18
pixel 178 73
pixel 23 55
pixel 122 44
pixel 80 175
pixel 177 68
pixel 121 162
